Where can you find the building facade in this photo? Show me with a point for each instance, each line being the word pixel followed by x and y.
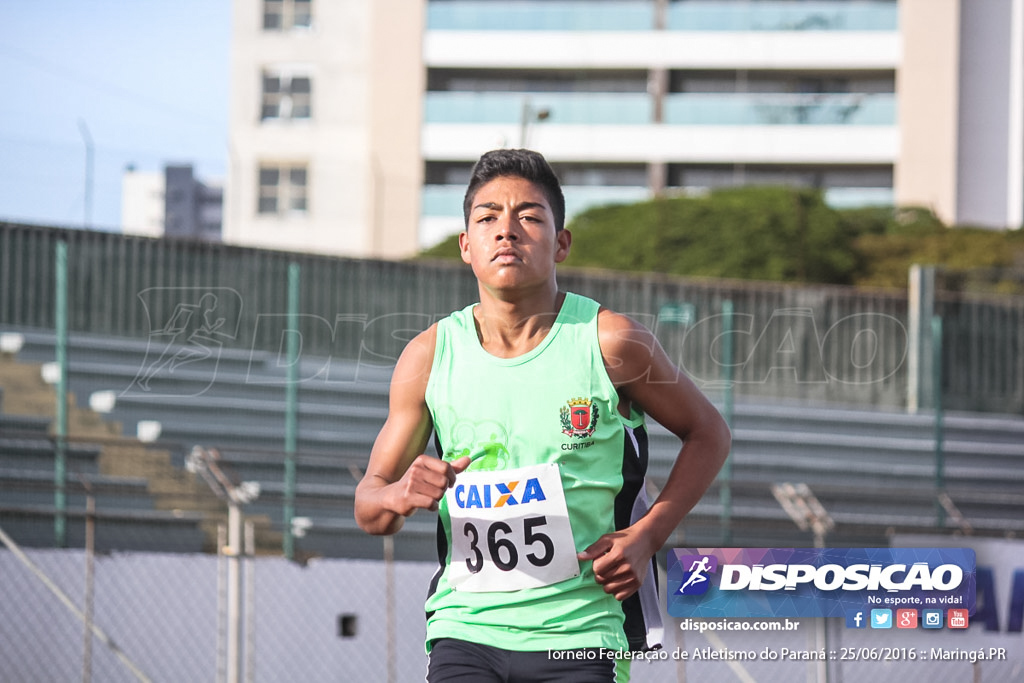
pixel 875 102
pixel 171 203
pixel 324 126
pixel 962 110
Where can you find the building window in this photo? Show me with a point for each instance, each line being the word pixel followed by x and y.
pixel 286 96
pixel 282 189
pixel 281 15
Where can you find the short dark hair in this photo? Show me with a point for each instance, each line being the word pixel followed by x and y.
pixel 518 163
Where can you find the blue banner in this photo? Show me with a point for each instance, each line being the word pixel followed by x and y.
pixel 817 582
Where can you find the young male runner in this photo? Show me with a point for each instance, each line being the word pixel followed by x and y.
pixel 537 400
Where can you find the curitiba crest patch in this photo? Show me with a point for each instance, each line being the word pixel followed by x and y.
pixel 579 417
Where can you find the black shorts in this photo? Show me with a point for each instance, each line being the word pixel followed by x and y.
pixel 458 661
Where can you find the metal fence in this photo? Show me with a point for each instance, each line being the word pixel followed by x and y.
pixel 162 617
pixel 982 351
pixel 823 343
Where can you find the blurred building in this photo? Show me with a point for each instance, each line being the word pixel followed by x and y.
pixel 354 124
pixel 172 203
pixel 324 126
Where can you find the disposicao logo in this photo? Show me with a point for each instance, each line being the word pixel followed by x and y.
pixel 696 580
pixel 801 582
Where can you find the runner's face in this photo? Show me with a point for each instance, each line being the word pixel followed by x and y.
pixel 511 237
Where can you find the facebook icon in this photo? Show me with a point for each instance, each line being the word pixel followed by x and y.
pixel 856 619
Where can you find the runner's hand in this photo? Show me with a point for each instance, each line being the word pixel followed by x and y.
pixel 620 561
pixel 424 484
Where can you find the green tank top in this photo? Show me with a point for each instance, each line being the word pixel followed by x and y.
pixel 542 421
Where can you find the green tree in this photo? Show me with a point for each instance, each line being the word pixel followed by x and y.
pixel 763 233
pixel 783 235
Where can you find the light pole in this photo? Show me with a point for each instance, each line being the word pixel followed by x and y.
pixel 89 163
pixel 808 513
pixel 203 462
pixel 529 115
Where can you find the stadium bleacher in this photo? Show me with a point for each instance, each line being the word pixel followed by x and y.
pixel 873 470
pixel 124 512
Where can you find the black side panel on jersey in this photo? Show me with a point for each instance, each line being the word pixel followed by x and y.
pixel 442 542
pixel 634 471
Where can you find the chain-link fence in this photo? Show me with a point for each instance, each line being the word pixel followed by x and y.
pixel 167 617
pixel 170 617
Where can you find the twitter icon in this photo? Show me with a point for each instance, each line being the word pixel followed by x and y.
pixel 881 618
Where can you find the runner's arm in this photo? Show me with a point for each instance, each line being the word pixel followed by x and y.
pixel 644 374
pixel 400 479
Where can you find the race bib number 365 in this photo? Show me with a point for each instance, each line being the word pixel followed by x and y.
pixel 510 530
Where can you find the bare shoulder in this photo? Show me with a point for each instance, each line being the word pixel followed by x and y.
pixel 613 327
pixel 628 347
pixel 643 373
pixel 407 427
pixel 413 368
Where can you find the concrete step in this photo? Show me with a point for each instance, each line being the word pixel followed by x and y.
pixel 116 530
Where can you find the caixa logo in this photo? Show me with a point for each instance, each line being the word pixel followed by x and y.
pixel 499 494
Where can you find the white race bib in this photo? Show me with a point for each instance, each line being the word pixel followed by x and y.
pixel 510 530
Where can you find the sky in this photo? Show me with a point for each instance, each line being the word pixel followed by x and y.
pixel 145 80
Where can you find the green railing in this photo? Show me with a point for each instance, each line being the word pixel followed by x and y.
pixel 556 15
pixel 805 343
pixel 681 109
pixel 683 15
pixel 783 15
pixel 563 108
pixel 780 109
